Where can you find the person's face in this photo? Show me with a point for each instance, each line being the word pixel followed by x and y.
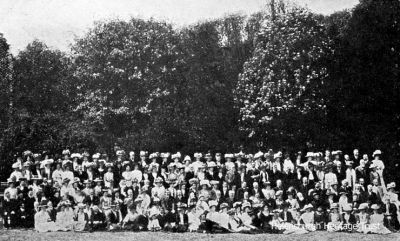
pixel 375 182
pixel 231 195
pixel 362 182
pixel 355 152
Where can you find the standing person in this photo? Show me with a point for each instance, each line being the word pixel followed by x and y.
pixel 351 175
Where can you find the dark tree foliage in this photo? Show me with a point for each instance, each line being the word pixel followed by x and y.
pixel 287 79
pixel 364 90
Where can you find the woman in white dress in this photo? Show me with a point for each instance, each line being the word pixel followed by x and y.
pixel 43 221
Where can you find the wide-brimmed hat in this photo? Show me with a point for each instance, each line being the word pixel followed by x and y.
pixel 258 155
pixel 43 203
pixel 375 206
pixel 363 206
pixel 334 206
pixel 16 165
pixel 347 208
pixel 228 155
pixel 307 206
pixel 231 212
pixel 198 155
pixel 212 203
pixel 237 204
pixel 193 181
pixel 377 152
pixel 391 185
pixel 205 182
pixel 223 205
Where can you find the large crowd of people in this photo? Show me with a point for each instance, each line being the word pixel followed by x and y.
pixel 271 192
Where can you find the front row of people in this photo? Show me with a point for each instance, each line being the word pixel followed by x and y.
pixel 212 217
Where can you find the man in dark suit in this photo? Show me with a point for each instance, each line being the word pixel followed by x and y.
pixel 304 187
pixel 91 199
pixel 340 172
pixel 181 220
pixel 286 216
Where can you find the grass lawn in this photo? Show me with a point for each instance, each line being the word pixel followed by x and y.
pixel 20 235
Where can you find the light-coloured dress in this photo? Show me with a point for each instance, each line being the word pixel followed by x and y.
pixel 376 224
pixel 42 223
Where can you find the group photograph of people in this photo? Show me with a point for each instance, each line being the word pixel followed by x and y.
pixel 271 192
pixel 194 120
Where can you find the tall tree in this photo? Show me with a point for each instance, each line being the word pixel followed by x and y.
pixel 365 90
pixel 279 91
